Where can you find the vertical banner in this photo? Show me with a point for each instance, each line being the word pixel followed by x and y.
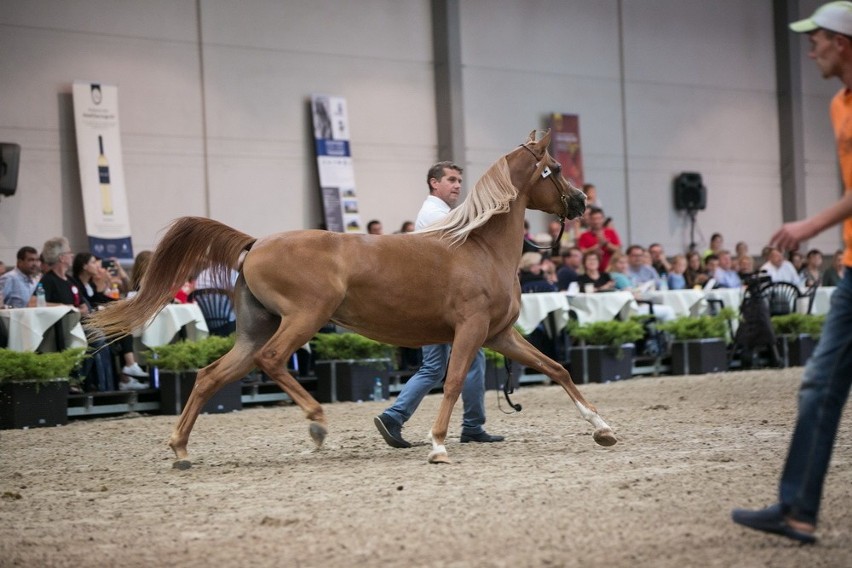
pixel 334 164
pixel 101 172
pixel 565 146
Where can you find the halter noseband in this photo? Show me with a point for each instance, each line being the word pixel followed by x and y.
pixel 544 170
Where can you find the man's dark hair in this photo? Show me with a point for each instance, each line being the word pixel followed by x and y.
pixel 24 251
pixel 372 223
pixel 437 171
pixel 593 210
pixel 710 257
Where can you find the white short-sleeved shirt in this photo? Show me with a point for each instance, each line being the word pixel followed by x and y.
pixel 434 209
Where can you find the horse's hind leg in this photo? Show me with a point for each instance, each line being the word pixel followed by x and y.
pixel 511 344
pixel 272 359
pixel 231 367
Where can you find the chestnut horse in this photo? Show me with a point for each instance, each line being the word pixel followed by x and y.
pixel 465 290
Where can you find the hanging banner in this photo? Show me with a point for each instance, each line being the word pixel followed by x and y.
pixel 565 146
pixel 101 173
pixel 334 164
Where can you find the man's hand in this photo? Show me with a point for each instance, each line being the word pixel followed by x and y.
pixel 791 234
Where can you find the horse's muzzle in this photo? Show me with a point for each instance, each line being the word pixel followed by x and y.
pixel 575 205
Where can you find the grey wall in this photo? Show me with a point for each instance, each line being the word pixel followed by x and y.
pixel 213 97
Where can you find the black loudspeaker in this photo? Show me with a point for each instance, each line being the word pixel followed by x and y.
pixel 10 154
pixel 690 193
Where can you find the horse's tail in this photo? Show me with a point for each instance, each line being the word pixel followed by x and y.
pixel 189 246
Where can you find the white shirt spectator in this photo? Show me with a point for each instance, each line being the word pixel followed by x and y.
pixel 784 273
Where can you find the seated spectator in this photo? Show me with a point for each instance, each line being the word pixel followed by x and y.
pixel 559 246
pixel 532 275
pixel 592 279
pixel 778 269
pixel 741 249
pixel 796 259
pixel 745 267
pixel 529 239
pixel 618 271
pixel 725 275
pixel 407 227
pixel 374 227
pixel 676 278
pixel 711 264
pixel 659 262
pixel 18 284
pixel 695 274
pixel 93 280
pixel 811 272
pixel 834 275
pixel 572 265
pixel 716 244
pixel 639 271
pixel 591 192
pixel 140 267
pixel 602 240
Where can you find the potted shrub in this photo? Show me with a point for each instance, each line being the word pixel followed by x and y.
pixel 178 364
pixel 700 342
pixel 348 366
pixel 34 387
pixel 606 349
pixel 797 336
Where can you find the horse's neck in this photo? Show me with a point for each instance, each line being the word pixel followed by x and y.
pixel 504 234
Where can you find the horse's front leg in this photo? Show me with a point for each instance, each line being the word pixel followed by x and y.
pixel 461 358
pixel 512 344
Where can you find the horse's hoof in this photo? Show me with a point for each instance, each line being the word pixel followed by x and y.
pixel 605 437
pixel 318 433
pixel 182 465
pixel 439 456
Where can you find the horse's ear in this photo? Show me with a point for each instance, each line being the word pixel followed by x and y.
pixel 544 143
pixel 531 137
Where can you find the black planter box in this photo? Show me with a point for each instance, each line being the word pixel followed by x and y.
pixel 176 386
pixel 795 350
pixel 699 356
pixel 496 375
pixel 601 364
pixel 31 405
pixel 350 380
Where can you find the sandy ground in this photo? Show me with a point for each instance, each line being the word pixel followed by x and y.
pixel 104 493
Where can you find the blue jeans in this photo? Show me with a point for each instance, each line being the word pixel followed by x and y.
pixel 822 395
pixel 435 359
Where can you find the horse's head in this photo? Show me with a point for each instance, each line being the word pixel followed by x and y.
pixel 546 189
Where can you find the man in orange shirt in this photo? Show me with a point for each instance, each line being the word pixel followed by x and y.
pixel 828 374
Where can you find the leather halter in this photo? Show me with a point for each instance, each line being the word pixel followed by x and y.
pixel 543 170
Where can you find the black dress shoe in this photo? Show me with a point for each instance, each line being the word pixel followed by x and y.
pixel 483 437
pixel 391 431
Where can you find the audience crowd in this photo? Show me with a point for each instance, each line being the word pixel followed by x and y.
pixel 587 256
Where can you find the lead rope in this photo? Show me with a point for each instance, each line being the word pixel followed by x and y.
pixel 508 388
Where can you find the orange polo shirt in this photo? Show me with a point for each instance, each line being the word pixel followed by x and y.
pixel 841 119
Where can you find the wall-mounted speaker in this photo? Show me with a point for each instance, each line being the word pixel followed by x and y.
pixel 689 192
pixel 10 154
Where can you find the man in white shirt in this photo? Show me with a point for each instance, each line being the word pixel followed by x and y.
pixel 444 181
pixel 780 270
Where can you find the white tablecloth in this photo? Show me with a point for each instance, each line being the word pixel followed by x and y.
pixel 165 325
pixel 535 307
pixel 588 307
pixel 603 306
pixel 682 302
pixel 26 327
pixel 822 300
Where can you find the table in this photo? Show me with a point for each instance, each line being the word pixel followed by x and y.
pixel 822 300
pixel 31 329
pixel 600 306
pixel 163 327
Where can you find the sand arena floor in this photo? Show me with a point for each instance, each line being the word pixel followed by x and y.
pixel 103 492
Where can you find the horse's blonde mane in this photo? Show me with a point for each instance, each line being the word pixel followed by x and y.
pixel 491 196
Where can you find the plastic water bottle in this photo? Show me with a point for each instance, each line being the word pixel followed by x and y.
pixel 377 389
pixel 39 294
